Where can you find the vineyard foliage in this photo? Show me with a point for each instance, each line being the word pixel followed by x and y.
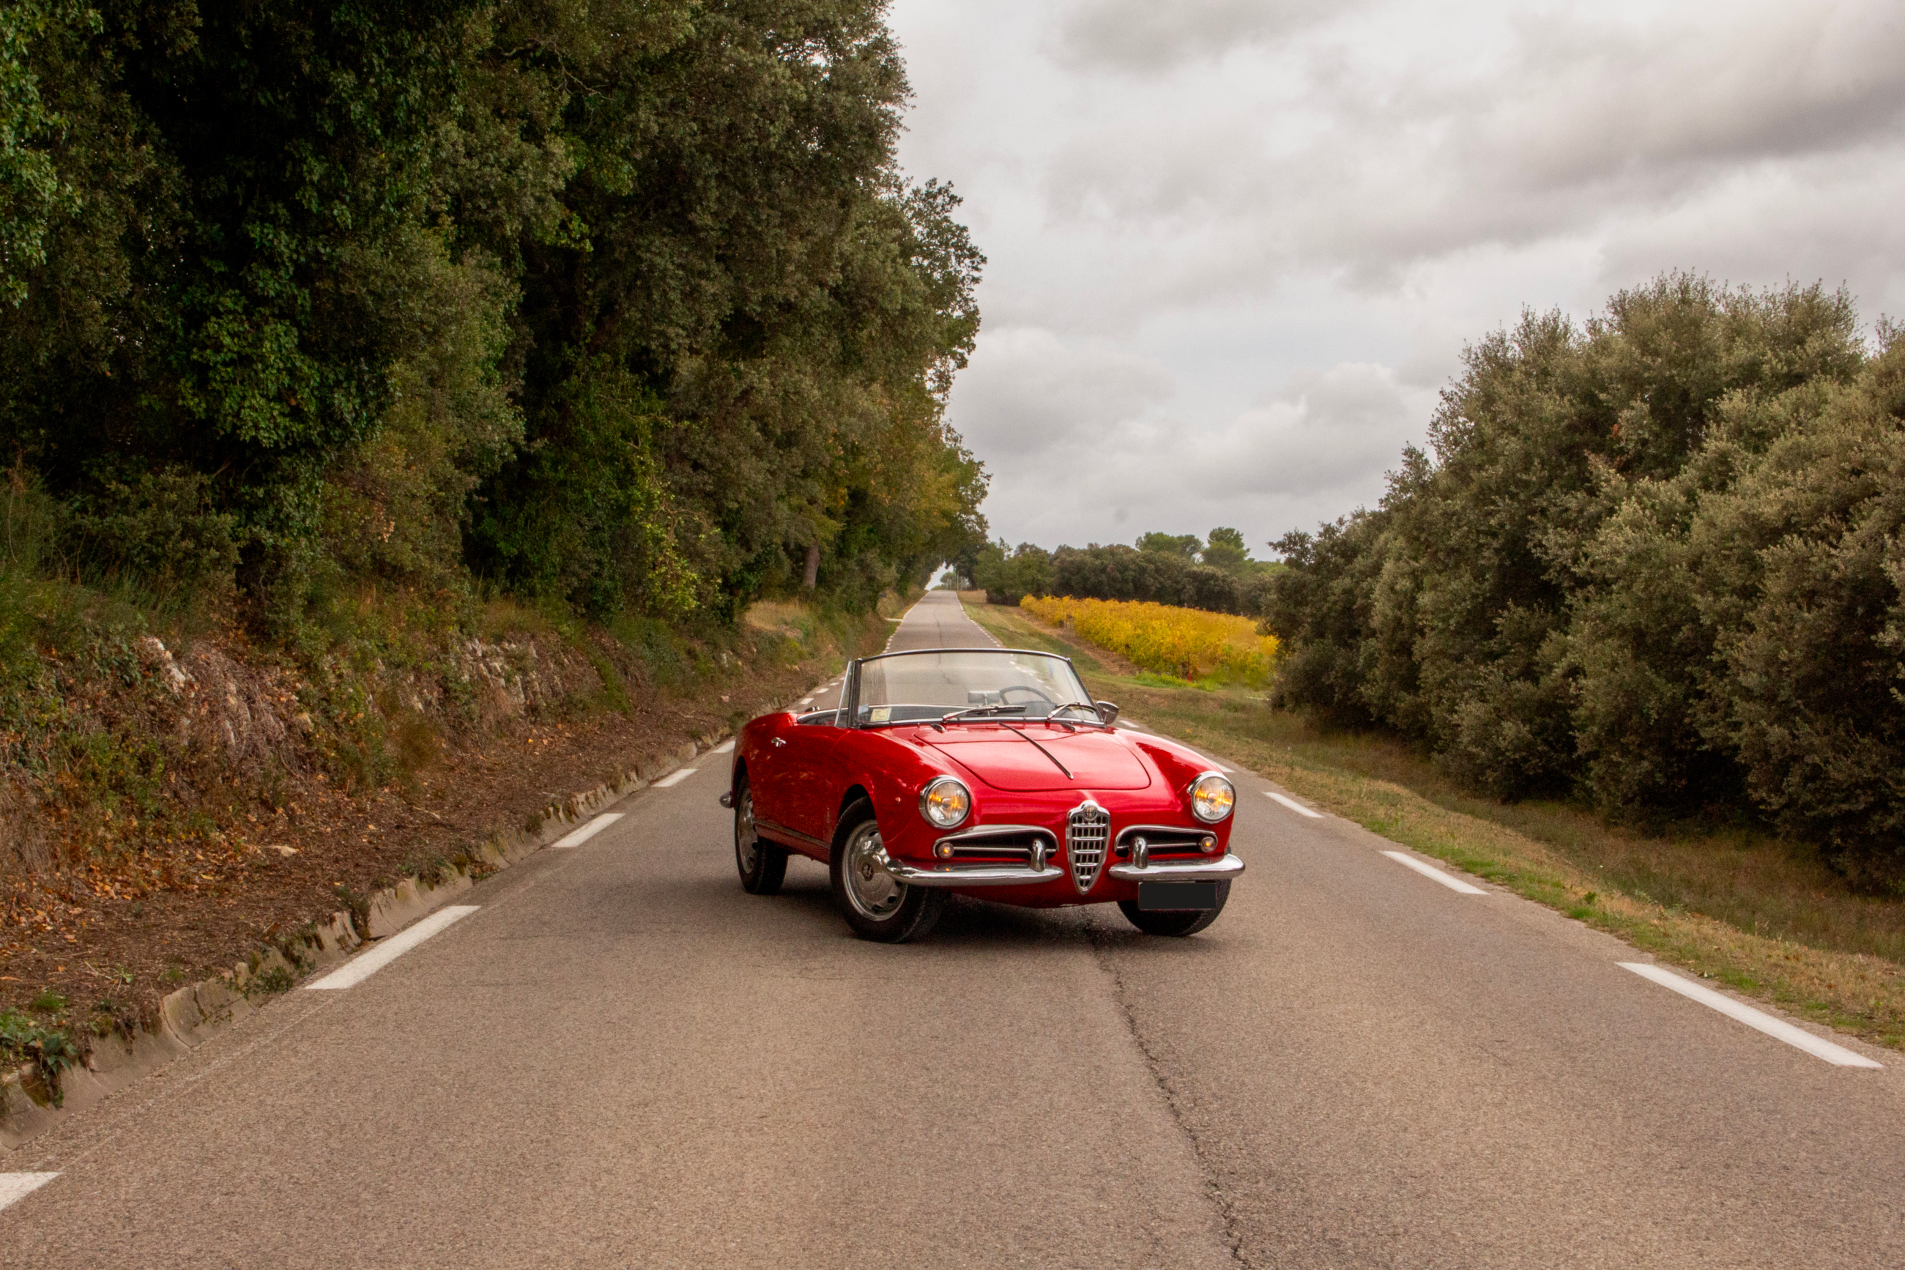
pixel 1187 643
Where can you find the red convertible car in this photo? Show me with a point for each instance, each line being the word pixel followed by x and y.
pixel 982 772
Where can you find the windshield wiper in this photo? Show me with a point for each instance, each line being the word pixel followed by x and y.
pixel 1080 705
pixel 980 712
pixel 1041 749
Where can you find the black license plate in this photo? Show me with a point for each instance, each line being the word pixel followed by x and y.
pixel 1177 896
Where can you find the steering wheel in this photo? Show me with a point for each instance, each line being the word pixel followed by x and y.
pixel 1025 688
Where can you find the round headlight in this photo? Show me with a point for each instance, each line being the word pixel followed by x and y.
pixel 945 803
pixel 1212 798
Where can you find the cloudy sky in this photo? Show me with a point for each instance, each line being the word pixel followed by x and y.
pixel 1236 246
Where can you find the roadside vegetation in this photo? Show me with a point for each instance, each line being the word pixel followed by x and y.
pixel 408 410
pixel 1729 900
pixel 1188 644
pixel 1216 575
pixel 1655 562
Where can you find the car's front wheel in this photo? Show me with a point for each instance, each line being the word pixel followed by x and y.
pixel 875 903
pixel 1174 921
pixel 763 866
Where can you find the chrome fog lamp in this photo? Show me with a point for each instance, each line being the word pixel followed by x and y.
pixel 1212 798
pixel 945 803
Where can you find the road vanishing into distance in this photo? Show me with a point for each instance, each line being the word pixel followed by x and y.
pixel 620 1058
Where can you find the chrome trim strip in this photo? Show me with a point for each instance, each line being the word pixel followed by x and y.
pixel 1226 866
pixel 910 652
pixel 997 831
pixel 771 827
pixel 1200 831
pixel 971 875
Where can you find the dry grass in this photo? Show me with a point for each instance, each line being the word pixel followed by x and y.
pixel 1750 910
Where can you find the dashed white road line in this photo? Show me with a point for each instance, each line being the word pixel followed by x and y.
pixel 17 1186
pixel 363 967
pixel 726 747
pixel 1799 1038
pixel 675 777
pixel 1293 805
pixel 577 837
pixel 1430 871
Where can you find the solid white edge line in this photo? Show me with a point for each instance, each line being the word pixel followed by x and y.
pixel 725 747
pixel 576 837
pixel 1430 871
pixel 17 1186
pixel 1219 766
pixel 1293 805
pixel 1779 1029
pixel 367 964
pixel 675 777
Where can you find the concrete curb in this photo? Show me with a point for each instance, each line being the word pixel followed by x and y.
pixel 190 1016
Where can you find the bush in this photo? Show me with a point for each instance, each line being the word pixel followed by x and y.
pixel 1653 560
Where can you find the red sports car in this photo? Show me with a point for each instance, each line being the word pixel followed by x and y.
pixel 983 772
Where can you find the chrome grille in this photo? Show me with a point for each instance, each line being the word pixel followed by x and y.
pixel 1086 833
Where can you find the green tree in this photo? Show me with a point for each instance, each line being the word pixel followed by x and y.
pixel 1185 545
pixel 1653 559
pixel 1225 550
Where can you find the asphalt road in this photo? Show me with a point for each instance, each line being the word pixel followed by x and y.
pixel 622 1059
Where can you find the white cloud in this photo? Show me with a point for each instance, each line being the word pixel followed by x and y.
pixel 1265 231
pixel 1149 37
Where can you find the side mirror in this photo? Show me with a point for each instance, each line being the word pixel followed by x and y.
pixel 1107 712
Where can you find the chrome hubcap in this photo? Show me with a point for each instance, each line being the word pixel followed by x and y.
pixel 747 843
pixel 871 890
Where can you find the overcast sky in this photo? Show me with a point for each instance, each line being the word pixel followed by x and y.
pixel 1236 246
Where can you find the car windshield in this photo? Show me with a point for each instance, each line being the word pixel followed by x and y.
pixel 990 683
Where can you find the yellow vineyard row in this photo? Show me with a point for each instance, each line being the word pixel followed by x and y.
pixel 1187 643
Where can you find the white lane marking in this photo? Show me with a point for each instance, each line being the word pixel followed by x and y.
pixel 676 777
pixel 1294 805
pixel 576 837
pixel 725 747
pixel 1799 1038
pixel 1214 763
pixel 16 1186
pixel 363 967
pixel 1430 871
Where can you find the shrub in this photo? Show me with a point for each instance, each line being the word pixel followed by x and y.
pixel 1655 560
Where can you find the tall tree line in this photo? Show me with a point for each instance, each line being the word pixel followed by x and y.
pixel 1657 559
pixel 623 302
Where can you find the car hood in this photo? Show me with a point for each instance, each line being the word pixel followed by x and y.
pixel 1008 761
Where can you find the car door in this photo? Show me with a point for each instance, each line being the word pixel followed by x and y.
pixel 806 766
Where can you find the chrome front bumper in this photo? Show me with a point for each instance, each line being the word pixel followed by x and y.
pixel 969 875
pixel 1224 866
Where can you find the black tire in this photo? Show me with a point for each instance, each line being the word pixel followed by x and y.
pixel 1173 922
pixel 891 913
pixel 762 865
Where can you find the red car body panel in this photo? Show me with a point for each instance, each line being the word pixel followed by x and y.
pixel 804 776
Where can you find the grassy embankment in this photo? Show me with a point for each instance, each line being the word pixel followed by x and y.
pixel 175 799
pixel 1729 902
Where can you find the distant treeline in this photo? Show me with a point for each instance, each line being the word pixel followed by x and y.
pixel 1657 559
pixel 1218 576
pixel 623 303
